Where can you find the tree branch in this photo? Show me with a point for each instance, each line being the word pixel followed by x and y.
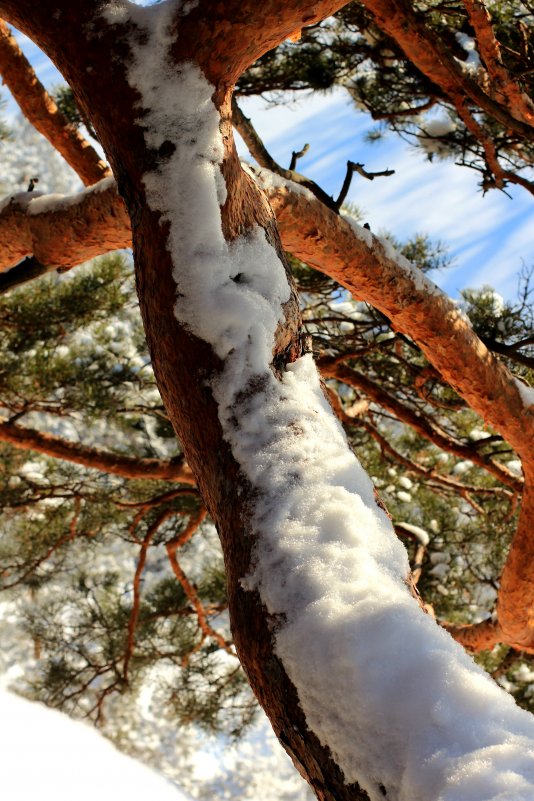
pixel 42 112
pixel 429 54
pixel 505 87
pixel 188 587
pixel 107 462
pixel 331 368
pixel 141 561
pixel 429 474
pixel 60 232
pixel 353 167
pixel 346 252
pixel 296 155
pixel 371 270
pixel 259 152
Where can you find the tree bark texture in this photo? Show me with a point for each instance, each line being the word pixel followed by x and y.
pixel 96 222
pixel 115 463
pixel 223 39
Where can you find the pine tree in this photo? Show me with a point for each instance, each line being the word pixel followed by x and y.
pixel 357 49
pixel 446 477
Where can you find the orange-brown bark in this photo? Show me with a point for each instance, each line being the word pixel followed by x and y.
pixel 136 586
pixel 515 602
pixel 41 110
pixel 451 345
pixel 223 38
pixel 398 19
pixel 90 224
pixel 94 458
pixel 504 86
pixel 327 242
pixel 479 637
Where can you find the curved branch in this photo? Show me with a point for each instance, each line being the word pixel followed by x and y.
pixel 41 110
pixel 478 636
pixel 189 588
pixel 114 463
pixel 372 271
pixel 518 103
pixel 331 368
pixel 398 19
pixel 95 222
pixel 430 474
pixel 259 152
pixel 141 561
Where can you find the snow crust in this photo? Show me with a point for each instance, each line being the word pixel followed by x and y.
pixel 399 704
pixel 418 532
pixel 47 755
pixel 41 204
pixel 526 393
pixel 269 180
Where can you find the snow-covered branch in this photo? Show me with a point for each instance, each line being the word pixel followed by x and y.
pixel 95 222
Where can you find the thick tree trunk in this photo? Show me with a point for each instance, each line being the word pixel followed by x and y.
pixel 182 362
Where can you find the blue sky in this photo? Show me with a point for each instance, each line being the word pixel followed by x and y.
pixel 490 237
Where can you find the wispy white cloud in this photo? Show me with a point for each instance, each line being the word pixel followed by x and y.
pixel 488 235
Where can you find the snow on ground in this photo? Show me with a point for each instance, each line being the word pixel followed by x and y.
pixel 46 755
pixel 404 710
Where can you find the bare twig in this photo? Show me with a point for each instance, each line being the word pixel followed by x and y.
pixel 141 561
pixel 353 167
pixel 296 155
pixel 420 423
pixel 258 151
pixel 188 587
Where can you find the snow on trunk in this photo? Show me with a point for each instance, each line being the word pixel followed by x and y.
pixel 405 712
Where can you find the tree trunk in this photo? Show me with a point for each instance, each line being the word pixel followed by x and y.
pixel 305 545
